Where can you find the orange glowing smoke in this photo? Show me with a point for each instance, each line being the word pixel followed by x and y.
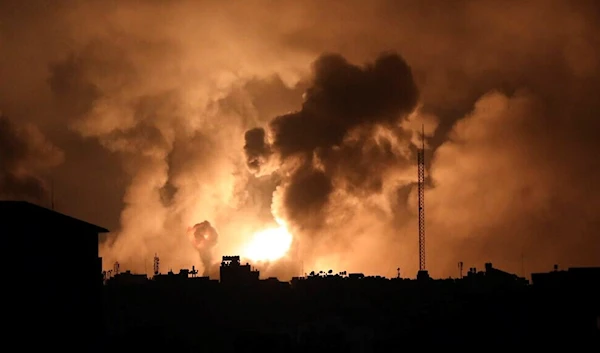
pixel 269 244
pixel 203 235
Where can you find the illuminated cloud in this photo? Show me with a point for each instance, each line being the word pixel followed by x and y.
pixel 25 156
pixel 154 105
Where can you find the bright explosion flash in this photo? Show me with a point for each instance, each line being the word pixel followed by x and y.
pixel 269 244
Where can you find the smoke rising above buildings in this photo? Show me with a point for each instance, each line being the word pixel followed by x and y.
pixel 204 238
pixel 336 140
pixel 174 112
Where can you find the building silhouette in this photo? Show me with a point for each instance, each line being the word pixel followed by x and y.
pixel 349 312
pixel 232 272
pixel 574 278
pixel 55 281
pixel 54 276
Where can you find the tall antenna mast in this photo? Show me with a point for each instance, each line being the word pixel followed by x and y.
pixel 421 188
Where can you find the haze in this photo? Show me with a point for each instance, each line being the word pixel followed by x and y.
pixel 151 116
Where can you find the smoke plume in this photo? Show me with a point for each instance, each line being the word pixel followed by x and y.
pixel 25 154
pixel 204 237
pixel 237 113
pixel 347 136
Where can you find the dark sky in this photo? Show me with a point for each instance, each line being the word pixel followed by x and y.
pixel 152 116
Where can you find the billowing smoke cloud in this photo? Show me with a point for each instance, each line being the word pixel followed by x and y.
pixel 204 237
pixel 341 138
pixel 517 180
pixel 178 135
pixel 25 154
pixel 154 104
pixel 258 151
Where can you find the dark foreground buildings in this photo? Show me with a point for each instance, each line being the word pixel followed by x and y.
pixel 53 283
pixel 56 299
pixel 486 310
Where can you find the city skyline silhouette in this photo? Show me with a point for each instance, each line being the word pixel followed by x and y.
pixel 300 175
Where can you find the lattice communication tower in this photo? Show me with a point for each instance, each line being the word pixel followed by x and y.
pixel 421 188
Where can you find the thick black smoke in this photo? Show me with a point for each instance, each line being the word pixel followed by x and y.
pixel 24 152
pixel 333 140
pixel 204 237
pixel 257 149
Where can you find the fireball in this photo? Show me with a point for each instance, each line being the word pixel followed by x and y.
pixel 203 235
pixel 269 244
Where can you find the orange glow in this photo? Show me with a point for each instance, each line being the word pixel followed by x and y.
pixel 269 244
